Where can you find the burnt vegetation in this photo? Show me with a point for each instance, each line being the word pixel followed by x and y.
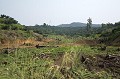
pixel 108 63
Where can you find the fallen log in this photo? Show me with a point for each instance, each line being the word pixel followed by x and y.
pixel 44 46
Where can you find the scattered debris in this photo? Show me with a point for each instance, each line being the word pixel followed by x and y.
pixel 102 62
pixel 5 62
pixel 103 48
pixel 118 49
pixel 7 50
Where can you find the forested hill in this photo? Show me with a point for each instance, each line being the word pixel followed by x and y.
pixel 78 24
pixel 69 31
pixel 110 34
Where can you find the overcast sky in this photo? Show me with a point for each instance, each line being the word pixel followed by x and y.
pixel 55 12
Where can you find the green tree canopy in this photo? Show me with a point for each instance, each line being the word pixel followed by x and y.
pixel 9 23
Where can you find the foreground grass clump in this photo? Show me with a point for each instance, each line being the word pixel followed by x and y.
pixel 49 63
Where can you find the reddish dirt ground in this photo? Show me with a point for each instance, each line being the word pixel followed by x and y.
pixel 21 43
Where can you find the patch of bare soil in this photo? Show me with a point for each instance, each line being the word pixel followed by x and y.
pixel 59 59
pixel 48 40
pixel 22 43
pixel 70 44
pixel 109 63
pixel 87 42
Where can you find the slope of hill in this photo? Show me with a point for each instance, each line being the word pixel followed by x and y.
pixel 11 31
pixel 111 34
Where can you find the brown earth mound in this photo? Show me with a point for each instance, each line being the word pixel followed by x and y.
pixel 109 63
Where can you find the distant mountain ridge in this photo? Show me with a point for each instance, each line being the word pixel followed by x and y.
pixel 78 24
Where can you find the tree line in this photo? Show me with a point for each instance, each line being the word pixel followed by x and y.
pixel 9 23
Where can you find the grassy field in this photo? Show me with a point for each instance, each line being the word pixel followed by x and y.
pixel 62 62
pixel 50 63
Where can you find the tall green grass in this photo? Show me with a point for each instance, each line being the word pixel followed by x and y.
pixel 25 63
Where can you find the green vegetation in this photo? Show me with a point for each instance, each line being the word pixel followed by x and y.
pixel 8 23
pixel 11 30
pixel 89 25
pixel 110 34
pixel 59 52
pixel 49 63
pixel 69 31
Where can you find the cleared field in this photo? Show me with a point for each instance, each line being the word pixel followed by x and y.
pixel 58 63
